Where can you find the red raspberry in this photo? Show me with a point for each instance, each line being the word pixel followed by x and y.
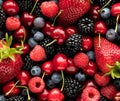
pixel 12 23
pixel 109 91
pixel 49 8
pixel 90 94
pixel 81 60
pixel 101 79
pixel 38 53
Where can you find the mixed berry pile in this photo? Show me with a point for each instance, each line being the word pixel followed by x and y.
pixel 59 50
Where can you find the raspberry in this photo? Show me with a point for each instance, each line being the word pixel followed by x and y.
pixel 38 53
pixel 81 60
pixel 49 9
pixel 90 94
pixel 12 23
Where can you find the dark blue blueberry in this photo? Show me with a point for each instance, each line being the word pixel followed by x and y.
pixel 38 36
pixel 56 77
pixel 1 2
pixel 35 71
pixel 116 83
pixel 39 22
pixel 105 13
pixel 32 43
pixel 2 98
pixel 1 34
pixel 34 30
pixel 81 77
pixel 50 84
pixel 24 92
pixel 91 55
pixel 111 35
pixel 56 1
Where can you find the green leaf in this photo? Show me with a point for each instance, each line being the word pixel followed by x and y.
pixel 112 74
pixel 109 66
pixel 116 73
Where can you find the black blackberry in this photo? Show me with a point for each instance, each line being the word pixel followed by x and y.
pixel 2 18
pixel 72 87
pixel 25 5
pixel 16 98
pixel 85 25
pixel 50 50
pixel 73 43
pixel 111 22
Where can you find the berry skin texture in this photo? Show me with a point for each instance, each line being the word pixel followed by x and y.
pixel 38 53
pixel 81 60
pixel 101 80
pixel 12 23
pixel 49 9
pixel 36 85
pixel 90 94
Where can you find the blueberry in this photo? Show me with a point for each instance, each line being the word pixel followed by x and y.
pixel 56 1
pixel 35 71
pixel 105 13
pixel 2 98
pixel 116 83
pixel 24 92
pixel 91 55
pixel 17 16
pixel 56 77
pixel 1 2
pixel 32 43
pixel 81 77
pixel 39 22
pixel 50 84
pixel 118 28
pixel 38 36
pixel 111 35
pixel 1 34
pixel 34 30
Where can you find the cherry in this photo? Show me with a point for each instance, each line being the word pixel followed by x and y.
pixel 43 96
pixel 8 89
pixel 10 7
pixel 25 50
pixel 117 96
pixel 90 83
pixel 21 34
pixel 94 14
pixel 60 62
pixel 55 95
pixel 90 69
pixel 24 77
pixel 47 67
pixel 87 43
pixel 27 19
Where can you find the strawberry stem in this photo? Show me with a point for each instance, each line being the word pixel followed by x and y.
pixel 116 27
pixel 51 42
pixel 63 79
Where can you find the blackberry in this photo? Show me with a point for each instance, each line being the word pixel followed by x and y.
pixel 16 98
pixel 2 18
pixel 102 98
pixel 50 50
pixel 25 5
pixel 111 22
pixel 73 43
pixel 85 25
pixel 72 87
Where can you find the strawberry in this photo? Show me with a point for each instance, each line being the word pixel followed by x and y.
pixel 72 10
pixel 107 57
pixel 10 61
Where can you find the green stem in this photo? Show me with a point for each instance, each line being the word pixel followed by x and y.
pixel 116 27
pixel 43 75
pixel 91 1
pixel 63 79
pixel 104 5
pixel 51 43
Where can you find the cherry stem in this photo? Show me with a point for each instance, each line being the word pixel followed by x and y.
pixel 51 43
pixel 63 79
pixel 104 5
pixel 56 17
pixel 99 40
pixel 12 88
pixel 34 7
pixel 91 1
pixel 43 75
pixel 26 90
pixel 116 27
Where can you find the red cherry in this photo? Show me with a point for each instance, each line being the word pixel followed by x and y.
pixel 10 7
pixel 87 43
pixel 48 28
pixel 117 96
pixel 70 31
pixel 24 77
pixel 47 67
pixel 60 62
pixel 90 69
pixel 100 28
pixel 7 87
pixel 55 95
pixel 27 19
pixel 115 9
pixel 90 83
pixel 94 14
pixel 43 96
pixel 21 34
pixel 26 48
pixel 58 33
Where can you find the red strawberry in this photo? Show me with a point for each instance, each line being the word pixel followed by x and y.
pixel 72 10
pixel 10 61
pixel 107 56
